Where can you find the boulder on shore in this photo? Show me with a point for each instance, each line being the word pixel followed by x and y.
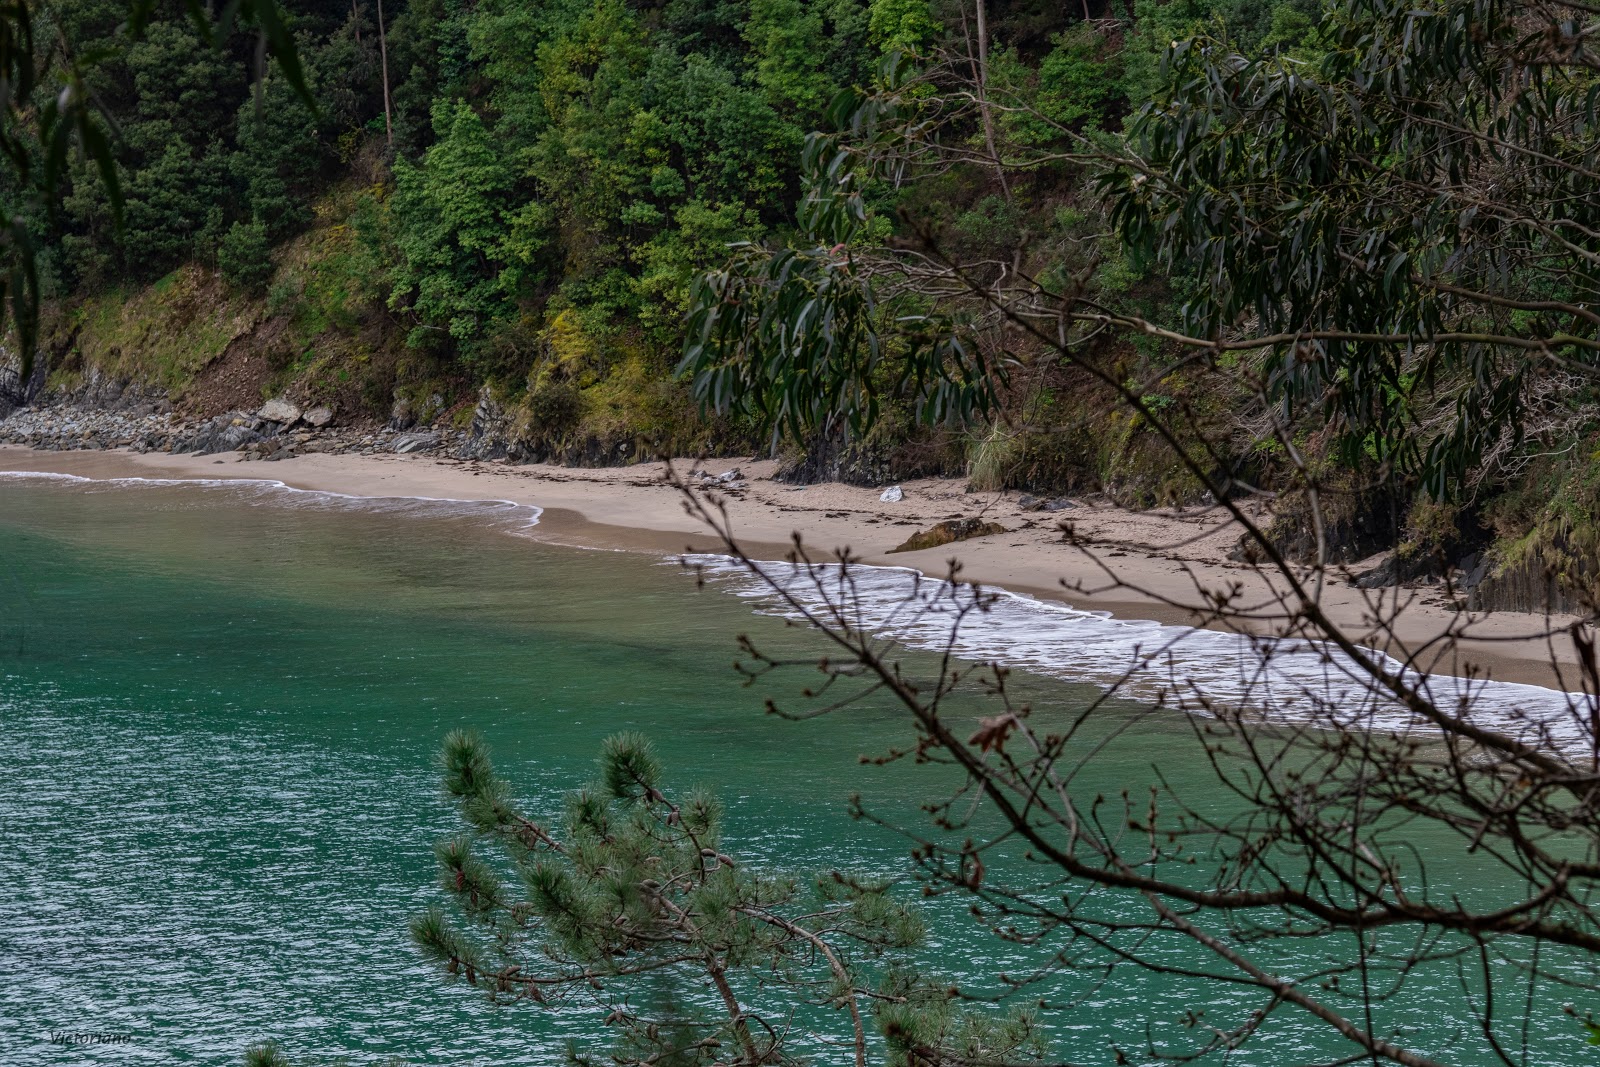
pixel 415 442
pixel 278 409
pixel 950 530
pixel 319 416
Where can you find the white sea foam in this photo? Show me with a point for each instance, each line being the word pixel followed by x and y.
pixel 1190 668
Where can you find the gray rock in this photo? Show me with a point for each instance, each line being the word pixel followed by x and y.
pixel 279 410
pixel 415 442
pixel 490 434
pixel 225 433
pixel 1036 503
pixel 947 532
pixel 892 495
pixel 319 416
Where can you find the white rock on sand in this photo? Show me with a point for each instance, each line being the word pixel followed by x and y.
pixel 278 409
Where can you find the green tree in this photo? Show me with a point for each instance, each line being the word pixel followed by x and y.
pixel 788 51
pixel 49 110
pixel 902 25
pixel 178 85
pixel 467 248
pixel 168 206
pixel 632 902
pixel 278 161
pixel 1407 231
pixel 243 256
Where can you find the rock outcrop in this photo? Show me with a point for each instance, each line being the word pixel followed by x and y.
pixel 946 532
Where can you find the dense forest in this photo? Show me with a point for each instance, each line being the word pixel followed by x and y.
pixel 529 205
pixel 504 207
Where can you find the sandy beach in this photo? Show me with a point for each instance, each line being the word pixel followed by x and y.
pixel 1164 562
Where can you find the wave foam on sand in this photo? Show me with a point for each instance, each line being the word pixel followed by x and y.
pixel 1289 680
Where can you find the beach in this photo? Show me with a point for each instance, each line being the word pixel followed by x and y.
pixel 1159 565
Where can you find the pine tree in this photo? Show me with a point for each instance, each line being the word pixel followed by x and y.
pixel 631 901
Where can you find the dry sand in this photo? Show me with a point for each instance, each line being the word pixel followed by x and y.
pixel 1165 561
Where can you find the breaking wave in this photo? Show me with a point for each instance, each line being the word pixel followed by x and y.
pixel 1195 670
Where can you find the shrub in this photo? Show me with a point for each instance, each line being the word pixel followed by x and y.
pixel 242 256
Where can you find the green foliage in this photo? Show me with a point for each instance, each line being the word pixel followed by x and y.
pixel 162 334
pixel 1248 26
pixel 992 459
pixel 786 38
pixel 902 25
pixel 1319 206
pixel 464 247
pixel 278 160
pixel 631 902
pixel 242 256
pixel 1076 85
pixel 207 138
pixel 796 338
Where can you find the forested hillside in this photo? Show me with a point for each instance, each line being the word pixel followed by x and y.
pixel 530 205
pixel 498 212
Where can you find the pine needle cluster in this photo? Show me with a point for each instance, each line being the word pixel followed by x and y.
pixel 631 902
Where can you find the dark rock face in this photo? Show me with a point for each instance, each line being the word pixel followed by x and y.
pixel 416 442
pixel 1559 578
pixel 1356 525
pixel 14 392
pixel 875 461
pixel 950 530
pixel 522 434
pixel 490 435
pixel 402 416
pixel 832 459
pixel 225 433
pixel 409 412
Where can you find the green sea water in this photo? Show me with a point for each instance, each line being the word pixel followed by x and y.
pixel 219 708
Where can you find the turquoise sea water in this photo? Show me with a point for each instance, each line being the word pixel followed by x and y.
pixel 219 708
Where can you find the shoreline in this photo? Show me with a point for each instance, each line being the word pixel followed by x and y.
pixel 1162 557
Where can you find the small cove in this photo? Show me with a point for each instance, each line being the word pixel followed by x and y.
pixel 220 712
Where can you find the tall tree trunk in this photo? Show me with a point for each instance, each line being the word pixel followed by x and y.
pixel 983 95
pixel 355 19
pixel 383 56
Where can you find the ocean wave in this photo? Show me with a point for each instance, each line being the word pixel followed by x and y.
pixel 1288 680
